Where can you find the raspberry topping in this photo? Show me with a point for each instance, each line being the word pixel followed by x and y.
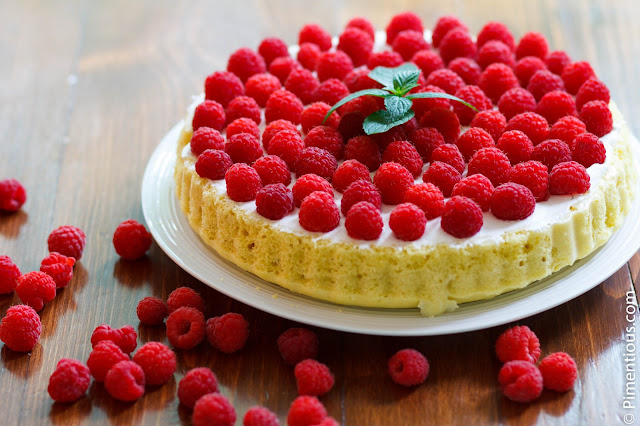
pixel 543 82
pixel 243 125
pixel 457 43
pixel 496 79
pixel 9 274
pixel 408 42
pixel 473 140
pixel 272 169
pixel 557 60
pixel 493 52
pixel 209 114
pixel 104 355
pixel 592 90
pixel 443 26
pixel 205 138
pixel 131 240
pixel 157 361
pixel 243 107
pixel 357 44
pixel 461 217
pixel 152 311
pixel 326 138
pixel 306 410
pixel 407 221
pixel 243 148
pixel 466 68
pixel 443 176
pixel 556 105
pixel 429 61
pixel 408 367
pixel 476 97
pixel 286 144
pixel 261 86
pixel 559 371
pixel 313 116
pixel 283 105
pixel 243 182
pixel 477 188
pixel 426 140
pixel 492 163
pixel 245 62
pixel 360 190
pixel 125 381
pixel 185 328
pixel 444 121
pixel 12 195
pixel 307 184
pixel 496 31
pixel 222 87
pixel 569 178
pixel 551 152
pixel 363 24
pixel 516 145
pixel 575 74
pixel 566 129
pixel 308 56
pixel 405 154
pixel 274 201
pixel 526 67
pixel 512 201
pixel 531 124
pixel 297 344
pixel 20 328
pixel 313 33
pixel 532 44
pixel 59 267
pixel 349 172
pixel 35 289
pixel 392 180
pixel 317 161
pixel 597 117
pixel 213 164
pixel 302 83
pixel 386 58
pixel 450 154
pixel 364 150
pixel 313 378
pixel 427 197
pixel 588 150
pixel 282 67
pixel 421 106
pixel 445 79
pixel 213 409
pixel 184 296
pixel 271 48
pixel 196 383
pixel 492 121
pixel 402 22
pixel 67 240
pixel 516 101
pixel 520 381
pixel 364 221
pixel 260 416
pixel 333 64
pixel 227 333
pixel 319 212
pixel 69 382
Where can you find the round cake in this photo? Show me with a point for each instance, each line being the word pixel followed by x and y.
pixel 481 237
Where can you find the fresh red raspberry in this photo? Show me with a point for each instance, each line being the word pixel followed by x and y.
pixel 260 416
pixel 131 240
pixel 333 64
pixel 306 410
pixel 209 114
pixel 104 355
pixel 569 178
pixel 492 163
pixel 405 154
pixel 20 328
pixel 467 69
pixel 308 55
pixel 125 381
pixel 566 129
pixel 243 125
pixel 592 90
pixel 543 82
pixel 497 79
pixel 477 188
pixel 328 421
pixel 282 67
pixel 364 150
pixel 243 182
pixel 319 212
pixel 551 152
pixel 532 44
pixel 307 184
pixel 449 154
pixel 557 60
pixel 402 22
pixel 284 105
pixel 428 61
pixel 261 86
pixel 555 105
pixel 69 382
pixel 491 121
pixel 286 144
pixel 275 127
pixel 476 97
pixel 357 44
pixel 516 145
pixel 597 117
pixel 362 106
pixel 407 221
pixel 422 106
pixel 443 176
pixel 128 339
pixel 245 62
pixel 222 87
pixel 349 172
pixel 534 175
pixel 457 44
pixel 297 344
pixel 9 274
pixel 243 107
pixel 444 121
pixel 493 52
pixel 526 67
pixel 331 91
pixel 124 337
pixel 213 409
pixel 445 79
pixel 427 197
pixel 313 378
pixel 559 371
pixel 227 333
pixel 317 161
pixel 271 48
pixel 512 201
pixel 12 195
pixel 59 267
pixel 588 150
pixel 364 221
pixel 575 74
pixel 196 383
pixel 152 311
pixel 184 296
pixel 326 138
pixel 409 42
pixel 157 361
pixel 302 83
pixel 426 140
pixel 392 181
pixel 473 140
pixel 516 101
pixel 520 381
pixel 408 367
pixel 495 31
pixel 531 124
pixel 363 24
pixel 35 289
pixel 313 33
pixel 243 148
pixel 386 58
pixel 443 26
pixel 213 164
pixel 360 190
pixel 274 201
pixel 358 79
pixel 67 240
pixel 461 217
pixel 185 328
pixel 206 138
pixel 272 169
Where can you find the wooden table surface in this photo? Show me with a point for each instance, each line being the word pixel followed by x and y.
pixel 88 89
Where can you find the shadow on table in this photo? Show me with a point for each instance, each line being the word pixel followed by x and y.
pixel 22 364
pixel 10 223
pixel 60 413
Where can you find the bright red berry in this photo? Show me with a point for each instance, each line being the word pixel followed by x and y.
pixel 184 296
pixel 283 105
pixel 445 79
pixel 313 378
pixel 422 106
pixel 243 182
pixel 477 188
pixel 313 116
pixel 474 96
pixel 307 184
pixel 534 175
pixel 496 79
pixel 209 114
pixel 260 416
pixel 222 87
pixel 245 62
pixel 569 178
pixel 516 145
pixel 405 154
pixel 131 240
pixel 274 128
pixel 407 221
pixel 319 212
pixel 274 201
pixel 496 31
pixel 185 328
pixel 442 175
pixel 392 180
pixel 408 42
pixel 261 86
pixel 592 90
pixel 531 124
pixel 271 48
pixel 556 105
pixel 588 150
pixel 520 381
pixel 426 140
pixel 272 169
pixel 152 311
pixel 467 69
pixel 551 152
pixel 444 24
pixel 532 44
pixel 306 410
pixel 124 337
pixel 302 83
pixel 20 328
pixel 331 91
pixel 333 64
pixel 282 67
pixel 243 107
pixel 313 33
pixel 473 140
pixel 363 24
pixel 286 144
pixel 429 61
pixel 557 60
pixel 213 164
pixel 575 74
pixel 443 120
pixel 157 361
pixel 512 201
pixel 12 195
pixel 543 82
pixel 317 161
pixel 516 101
pixel 297 344
pixel 357 44
pixel 491 121
pixel 326 138
pixel 408 367
pixel 402 22
pixel 559 371
pixel 205 138
pixel 493 52
pixel 35 289
pixel 227 333
pixel 449 154
pixel 67 240
pixel 125 381
pixel 59 267
pixel 308 55
pixel 566 129
pixel 213 409
pixel 196 383
pixel 104 355
pixel 243 125
pixel 492 163
pixel 364 150
pixel 243 148
pixel 597 117
pixel 518 343
pixel 69 382
pixel 360 190
pixel 427 197
pixel 349 172
pixel 363 221
pixel 461 217
pixel 526 67
pixel 457 43
pixel 9 274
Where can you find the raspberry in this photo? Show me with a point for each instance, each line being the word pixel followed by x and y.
pixel 555 105
pixel 308 55
pixel 124 337
pixel 272 169
pixel 196 383
pixel 427 197
pixel 392 180
pixel 261 86
pixel 213 409
pixel 531 124
pixel 477 188
pixel 358 79
pixel 302 83
pixel 313 33
pixel 407 221
pixel 427 61
pixel 260 416
pixel 128 338
pixel 349 172
pixel 306 410
pixel 243 125
pixel 208 114
pixel 331 91
pixel 493 52
pixel 360 190
pixel 461 217
pixel 456 44
pixel 245 62
pixel 313 378
pixel 408 367
pixel 243 148
pixel 364 221
pixel 575 74
pixel 297 344
pixel 20 328
pixel 275 127
pixel 104 355
pixel 185 328
pixel 243 107
pixel 12 195
pixel 518 343
pixel 222 87
pixel 227 333
pixel 443 176
pixel 491 121
pixel 333 64
pixel 516 145
pixel 357 44
pixel 473 140
pixel 445 79
pixel 274 201
pixel 243 182
pixel 184 296
pixel 588 150
pixel 363 24
pixel 59 267
pixel 213 164
pixel 492 163
pixel 271 48
pixel 282 67
pixel 566 129
pixel 516 101
pixel 386 58
pixel 67 240
pixel 467 69
pixel 559 371
pixel 286 144
pixel 307 184
pixel 328 421
pixel 69 382
pixel 326 138
pixel 422 106
pixel 152 311
pixel 551 152
pixel 520 381
pixel 443 26
pixel 125 381
pixel 319 213
pixel 405 154
pixel 497 79
pixel 512 201
pixel 402 22
pixel 426 140
pixel 557 60
pixel 157 361
pixel 409 42
pixel 496 31
pixel 476 97
pixel 364 150
pixel 532 44
pixel 450 154
pixel 444 121
pixel 543 82
pixel 35 289
pixel 569 178
pixel 205 138
pixel 9 274
pixel 597 117
pixel 592 90
pixel 351 123
pixel 317 161
pixel 131 240
pixel 284 105
pixel 526 67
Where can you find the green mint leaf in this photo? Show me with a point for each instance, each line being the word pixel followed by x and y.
pixel 397 106
pixel 370 92
pixel 384 75
pixel 430 95
pixel 403 79
pixel 381 121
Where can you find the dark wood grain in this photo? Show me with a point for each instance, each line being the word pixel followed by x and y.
pixel 89 88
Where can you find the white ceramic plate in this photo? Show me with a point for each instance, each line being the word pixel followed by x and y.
pixel 173 234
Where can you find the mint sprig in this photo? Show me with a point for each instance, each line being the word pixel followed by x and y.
pixel 396 82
